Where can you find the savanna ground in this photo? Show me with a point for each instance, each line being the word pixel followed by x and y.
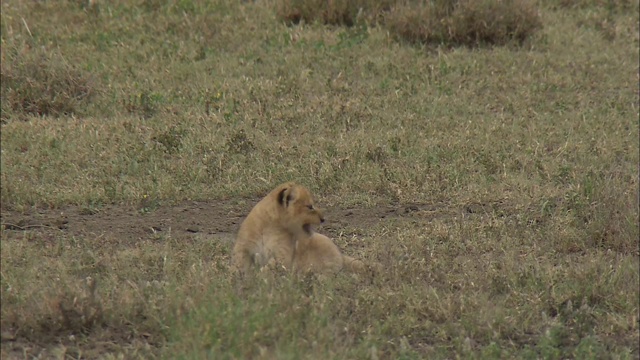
pixel 485 153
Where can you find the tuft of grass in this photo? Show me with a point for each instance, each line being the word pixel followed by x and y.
pixel 439 22
pixel 609 5
pixel 170 141
pixel 43 83
pixel 332 12
pixel 464 22
pixel 609 212
pixel 144 105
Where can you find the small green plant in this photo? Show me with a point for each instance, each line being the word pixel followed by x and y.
pixel 91 208
pixel 144 104
pixel 377 155
pixel 213 103
pixel 170 141
pixel 352 36
pixel 148 204
pixel 240 143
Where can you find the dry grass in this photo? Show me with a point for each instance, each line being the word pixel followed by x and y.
pixel 41 83
pixel 446 23
pixel 511 174
pixel 338 12
pixel 466 22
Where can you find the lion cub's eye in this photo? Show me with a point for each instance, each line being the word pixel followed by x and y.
pixel 310 207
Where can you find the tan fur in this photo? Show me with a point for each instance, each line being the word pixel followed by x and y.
pixel 278 231
pixel 317 253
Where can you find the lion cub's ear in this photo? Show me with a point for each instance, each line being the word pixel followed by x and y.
pixel 285 196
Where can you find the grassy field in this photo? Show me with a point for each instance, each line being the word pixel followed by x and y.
pixel 485 153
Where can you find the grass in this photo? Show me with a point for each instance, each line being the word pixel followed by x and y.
pixel 42 84
pixel 519 152
pixel 439 22
pixel 469 23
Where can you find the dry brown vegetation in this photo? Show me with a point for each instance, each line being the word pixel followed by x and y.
pixel 497 185
pixel 438 22
pixel 40 83
pixel 338 12
pixel 466 22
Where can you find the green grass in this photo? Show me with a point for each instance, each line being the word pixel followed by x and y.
pixel 530 151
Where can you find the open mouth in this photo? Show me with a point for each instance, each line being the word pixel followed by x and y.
pixel 306 228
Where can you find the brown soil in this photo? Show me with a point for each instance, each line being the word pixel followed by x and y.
pixel 222 218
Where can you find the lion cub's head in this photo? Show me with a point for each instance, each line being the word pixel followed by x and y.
pixel 299 211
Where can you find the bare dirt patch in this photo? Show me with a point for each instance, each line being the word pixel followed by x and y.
pixel 127 224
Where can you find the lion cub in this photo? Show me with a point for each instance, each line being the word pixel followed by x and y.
pixel 278 230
